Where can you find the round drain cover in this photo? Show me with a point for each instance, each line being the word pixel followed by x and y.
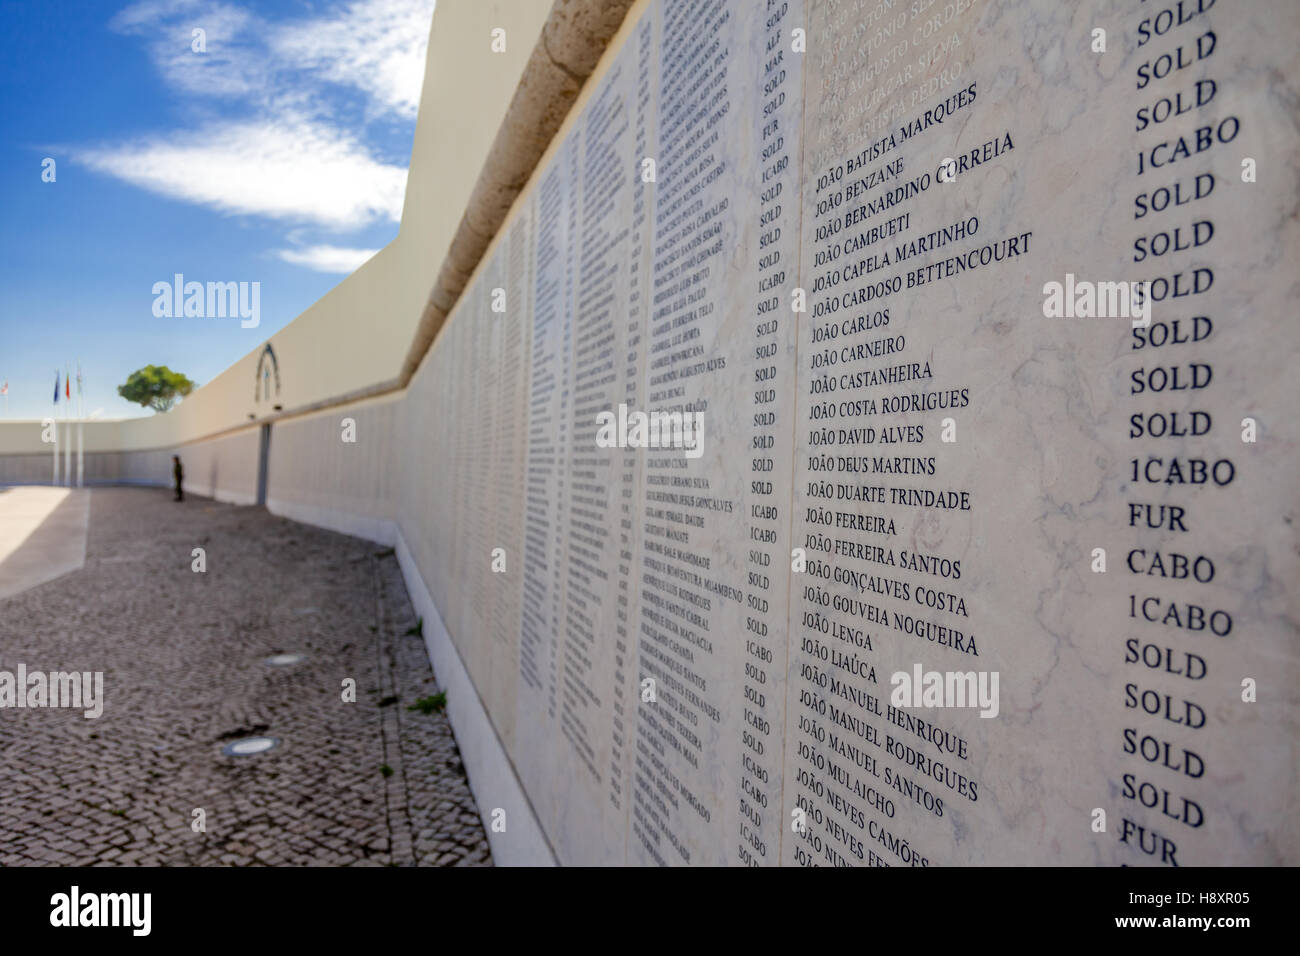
pixel 249 746
pixel 284 660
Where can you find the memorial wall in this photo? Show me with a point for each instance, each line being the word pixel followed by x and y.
pixel 984 549
pixel 988 318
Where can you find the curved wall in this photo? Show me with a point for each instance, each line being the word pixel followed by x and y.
pixel 829 536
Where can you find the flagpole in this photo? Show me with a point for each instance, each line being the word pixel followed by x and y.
pixel 54 424
pixel 67 433
pixel 81 427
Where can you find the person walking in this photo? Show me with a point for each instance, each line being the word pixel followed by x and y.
pixel 178 473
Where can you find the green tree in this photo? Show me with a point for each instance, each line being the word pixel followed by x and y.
pixel 156 387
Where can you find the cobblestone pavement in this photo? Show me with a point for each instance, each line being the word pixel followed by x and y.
pixel 365 784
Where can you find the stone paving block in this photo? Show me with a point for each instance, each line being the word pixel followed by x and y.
pixel 183 661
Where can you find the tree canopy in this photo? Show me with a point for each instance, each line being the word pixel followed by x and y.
pixel 156 387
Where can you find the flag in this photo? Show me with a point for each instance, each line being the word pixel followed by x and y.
pixel 67 385
pixel 4 389
pixel 80 381
pixel 56 386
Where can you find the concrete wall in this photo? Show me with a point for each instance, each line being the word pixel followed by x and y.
pixel 317 476
pixel 26 458
pixel 224 468
pixel 34 469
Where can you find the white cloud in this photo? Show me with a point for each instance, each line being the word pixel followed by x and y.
pixel 327 258
pixel 290 142
pixel 377 46
pixel 234 63
pixel 292 169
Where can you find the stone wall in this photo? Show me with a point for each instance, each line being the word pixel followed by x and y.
pixel 938 459
pixel 328 472
pixel 843 263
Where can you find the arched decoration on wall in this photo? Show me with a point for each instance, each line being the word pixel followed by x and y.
pixel 265 369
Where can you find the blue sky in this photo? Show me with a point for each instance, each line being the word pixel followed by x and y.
pixel 276 155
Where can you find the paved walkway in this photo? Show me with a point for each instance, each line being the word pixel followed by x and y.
pixel 42 535
pixel 182 654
